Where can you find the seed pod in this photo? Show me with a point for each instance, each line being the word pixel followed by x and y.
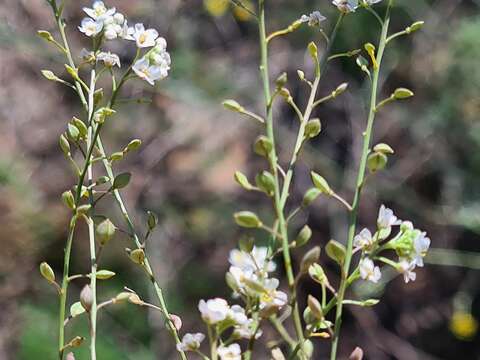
pixel 313 128
pixel 383 148
pixel 266 182
pixel 262 146
pixel 336 251
pixel 320 183
pixel 116 156
pixel 247 219
pixel 317 274
pixel 47 272
pixel 152 220
pixel 376 161
pixel 310 258
pixel 242 180
pixel 104 274
pixel 86 298
pixel 123 296
pixel 105 231
pixel 64 144
pixel 138 256
pixel 133 145
pixel 402 93
pixel 281 80
pixel 303 236
pixel 121 180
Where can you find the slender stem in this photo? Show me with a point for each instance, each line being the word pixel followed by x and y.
pixel 213 342
pixel 360 177
pixel 91 225
pixel 282 331
pixel 273 166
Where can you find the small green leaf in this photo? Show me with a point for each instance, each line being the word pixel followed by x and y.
pixel 121 180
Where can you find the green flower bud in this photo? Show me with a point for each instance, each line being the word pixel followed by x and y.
pixel 313 128
pixel 104 274
pixel 73 132
pixel 262 146
pixel 116 156
pixel 247 219
pixel 83 209
pixel 72 71
pixel 49 75
pixel 315 307
pixel 402 93
pixel 301 75
pixel 45 35
pixel 68 199
pixel 317 274
pixel 97 96
pixel 64 144
pixel 414 27
pixel 310 258
pixel 80 125
pixel 376 161
pixel 336 251
pixel 133 145
pixel 321 184
pixel 242 180
pixel 47 272
pixel 383 148
pixel 123 296
pixel 313 51
pixel 232 105
pixel 266 182
pixel 281 80
pixel 310 196
pixel 341 89
pixel 105 231
pixel 303 236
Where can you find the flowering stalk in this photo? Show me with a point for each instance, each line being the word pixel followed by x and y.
pixel 359 183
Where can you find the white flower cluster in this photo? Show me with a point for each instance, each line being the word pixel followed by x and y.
pixel 110 24
pixel 348 6
pixel 410 244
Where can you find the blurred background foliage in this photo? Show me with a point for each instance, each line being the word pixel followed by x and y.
pixel 184 171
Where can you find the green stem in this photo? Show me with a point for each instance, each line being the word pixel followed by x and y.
pixel 360 178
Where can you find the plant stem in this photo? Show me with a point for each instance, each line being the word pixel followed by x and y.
pixel 91 225
pixel 273 166
pixel 360 178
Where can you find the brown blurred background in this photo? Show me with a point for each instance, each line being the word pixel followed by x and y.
pixel 184 170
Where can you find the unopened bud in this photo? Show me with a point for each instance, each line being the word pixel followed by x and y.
pixel 105 231
pixel 336 251
pixel 310 258
pixel 383 148
pixel 68 199
pixel 86 298
pixel 414 27
pixel 47 272
pixel 402 93
pixel 315 307
pixel 313 128
pixel 310 196
pixel 232 105
pixel 247 219
pixel 281 80
pixel 242 180
pixel 376 161
pixel 303 236
pixel 266 182
pixel 152 220
pixel 320 183
pixel 262 146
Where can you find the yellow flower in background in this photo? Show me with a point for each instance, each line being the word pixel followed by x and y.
pixel 240 13
pixel 216 7
pixel 463 325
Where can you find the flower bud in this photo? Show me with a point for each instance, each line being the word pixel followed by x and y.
pixel 301 75
pixel 123 296
pixel 310 196
pixel 64 144
pixel 73 132
pixel 102 180
pixel 402 93
pixel 315 307
pixel 45 35
pixel 336 251
pixel 86 298
pixel 247 219
pixel 376 161
pixel 266 182
pixel 313 128
pixel 135 299
pixel 104 274
pixel 137 256
pixel 262 146
pixel 72 71
pixel 242 180
pixel 176 321
pixel 49 75
pixel 321 184
pixel 383 148
pixel 105 231
pixel 317 274
pixel 70 356
pixel 341 89
pixel 68 199
pixel 281 80
pixel 285 93
pixel 47 272
pixel 116 156
pixel 232 105
pixel 277 354
pixel 97 96
pixel 83 209
pixel 133 145
pixel 303 236
pixel 310 258
pixel 80 125
pixel 414 27
pixel 152 220
pixel 313 51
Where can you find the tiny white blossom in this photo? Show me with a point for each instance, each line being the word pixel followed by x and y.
pixel 363 240
pixel 368 270
pixel 272 299
pixel 127 32
pixel 314 19
pixel 230 352
pixel 254 261
pixel 406 268
pixel 112 31
pixel 346 6
pixel 148 72
pixel 99 11
pixel 144 38
pixel 190 342
pixel 247 330
pixel 237 314
pixel 421 244
pixel 214 310
pixel 109 59
pixel 119 18
pixel 90 27
pixel 386 218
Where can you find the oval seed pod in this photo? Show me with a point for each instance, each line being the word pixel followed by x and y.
pixel 47 272
pixel 105 231
pixel 247 219
pixel 86 298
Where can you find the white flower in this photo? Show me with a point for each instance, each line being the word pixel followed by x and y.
pixel 255 261
pixel 247 330
pixel 112 31
pixel 346 5
pixel 143 38
pixel 99 11
pixel 109 59
pixel 421 244
pixel 314 19
pixel 237 314
pixel 272 299
pixel 214 310
pixel 231 352
pixel 406 268
pixel 368 270
pixel 148 72
pixel 363 240
pixel 119 19
pixel 190 342
pixel 386 218
pixel 90 27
